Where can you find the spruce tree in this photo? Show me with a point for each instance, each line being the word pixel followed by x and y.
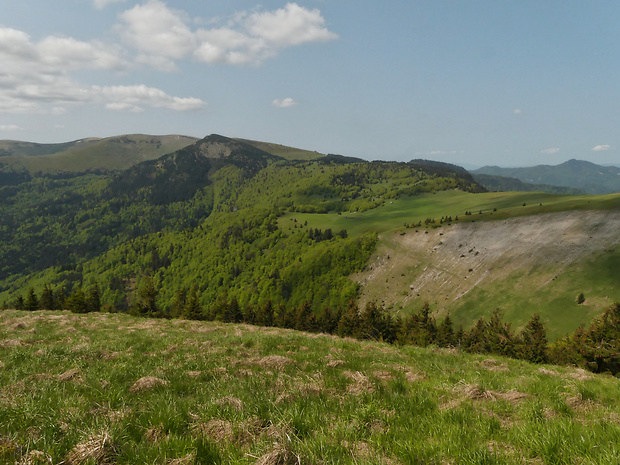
pixel 349 324
pixel 534 341
pixel 445 333
pixel 177 309
pixel 93 302
pixel 192 309
pixel 77 301
pixel 32 302
pixel 47 301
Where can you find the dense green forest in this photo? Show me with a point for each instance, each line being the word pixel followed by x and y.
pixel 204 217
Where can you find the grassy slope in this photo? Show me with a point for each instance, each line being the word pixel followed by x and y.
pixel 394 214
pixel 111 153
pixel 518 294
pixel 288 153
pixel 239 394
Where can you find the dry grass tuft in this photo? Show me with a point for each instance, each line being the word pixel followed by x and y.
pixel 10 343
pixel 361 384
pixel 194 374
pixel 580 375
pixel 70 375
pixel 155 434
pixel 224 431
pixel 335 363
pixel 491 364
pixel 109 355
pixel 35 457
pixel 230 401
pixel 547 371
pixel 383 375
pixel 281 455
pixel 189 459
pixel 512 396
pixel 476 392
pixel 413 377
pixel 277 362
pixel 578 404
pixel 147 383
pixel 98 449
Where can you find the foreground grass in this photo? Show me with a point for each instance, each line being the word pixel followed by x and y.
pixel 216 393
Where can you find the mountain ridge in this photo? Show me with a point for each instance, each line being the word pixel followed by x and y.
pixel 579 174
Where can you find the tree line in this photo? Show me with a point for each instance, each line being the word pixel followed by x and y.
pixel 596 348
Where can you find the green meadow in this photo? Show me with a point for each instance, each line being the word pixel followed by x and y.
pixel 111 388
pixel 393 214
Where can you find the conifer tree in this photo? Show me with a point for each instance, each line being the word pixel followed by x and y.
pixel 93 302
pixel 427 328
pixel 349 324
pixel 445 333
pixel 303 319
pixel 534 341
pixel 32 302
pixel 476 340
pixel 264 314
pixel 192 309
pixel 500 338
pixel 177 309
pixel 77 302
pixel 47 301
pixel 146 300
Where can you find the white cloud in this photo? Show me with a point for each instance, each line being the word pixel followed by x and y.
pixel 601 148
pixel 156 30
pixel 101 4
pixel 40 76
pixel 162 35
pixel 9 127
pixel 551 150
pixel 284 103
pixel 291 25
pixel 37 77
pixel 134 98
pixel 516 111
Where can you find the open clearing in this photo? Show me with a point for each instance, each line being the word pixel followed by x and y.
pixel 110 388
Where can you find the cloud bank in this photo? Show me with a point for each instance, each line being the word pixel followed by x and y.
pixel 40 76
pixel 162 35
pixel 601 148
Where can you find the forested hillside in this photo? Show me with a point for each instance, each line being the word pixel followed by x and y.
pixel 202 218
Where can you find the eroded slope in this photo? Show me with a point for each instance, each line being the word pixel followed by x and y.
pixel 526 265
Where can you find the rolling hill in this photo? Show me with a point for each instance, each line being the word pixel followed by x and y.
pixel 232 220
pixel 111 153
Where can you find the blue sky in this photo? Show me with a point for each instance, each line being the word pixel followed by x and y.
pixel 476 82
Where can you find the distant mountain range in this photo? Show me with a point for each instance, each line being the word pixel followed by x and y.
pixel 19 160
pixel 111 153
pixel 576 174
